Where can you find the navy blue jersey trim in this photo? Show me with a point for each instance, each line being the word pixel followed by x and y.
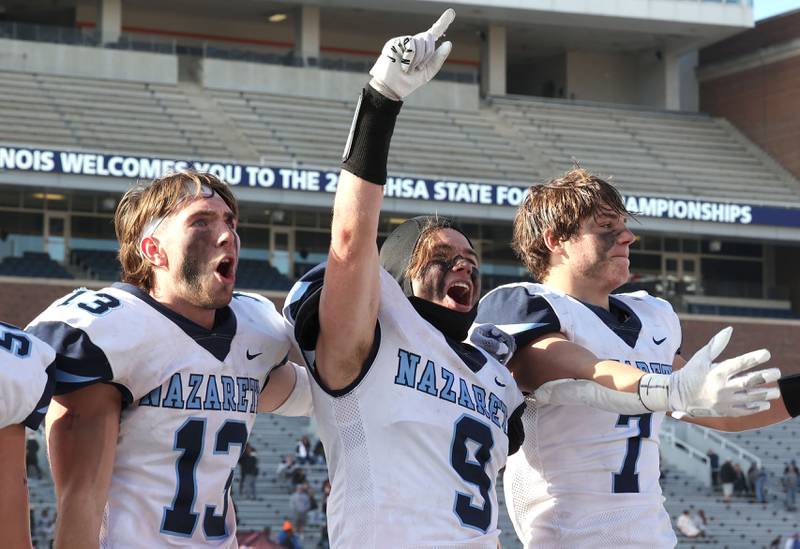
pixel 376 344
pixel 516 430
pixel 79 362
pixel 469 355
pixel 34 420
pixel 524 316
pixel 620 319
pixel 216 341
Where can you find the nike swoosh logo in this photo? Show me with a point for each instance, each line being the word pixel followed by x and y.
pixel 251 357
pixel 659 341
pixel 498 382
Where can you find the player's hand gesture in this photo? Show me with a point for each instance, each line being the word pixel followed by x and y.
pixel 408 62
pixel 707 388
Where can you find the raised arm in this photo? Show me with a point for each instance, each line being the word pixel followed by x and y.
pixel 82 430
pixel 348 308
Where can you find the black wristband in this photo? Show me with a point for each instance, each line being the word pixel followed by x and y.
pixel 790 393
pixel 367 151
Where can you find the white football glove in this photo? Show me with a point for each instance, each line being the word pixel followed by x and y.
pixel 700 388
pixel 494 341
pixel 408 62
pixel 705 388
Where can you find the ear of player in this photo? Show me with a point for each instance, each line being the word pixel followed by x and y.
pixel 706 388
pixel 408 62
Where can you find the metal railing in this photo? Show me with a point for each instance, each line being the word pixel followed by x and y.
pixel 74 36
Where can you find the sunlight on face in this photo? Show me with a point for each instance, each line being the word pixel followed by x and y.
pixel 202 247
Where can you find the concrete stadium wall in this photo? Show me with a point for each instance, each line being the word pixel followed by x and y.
pixel 649 77
pixel 59 59
pixel 325 84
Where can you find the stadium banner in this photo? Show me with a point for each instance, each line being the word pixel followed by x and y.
pixel 308 180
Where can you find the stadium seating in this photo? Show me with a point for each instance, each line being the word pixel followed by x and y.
pixel 107 115
pixel 100 264
pixel 514 140
pixel 649 152
pixel 260 275
pixel 33 264
pixel 429 143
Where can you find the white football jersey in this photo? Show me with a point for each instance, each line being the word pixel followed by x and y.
pixel 26 377
pixel 586 477
pixel 191 398
pixel 415 444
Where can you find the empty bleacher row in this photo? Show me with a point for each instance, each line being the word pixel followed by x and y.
pixel 33 264
pixel 427 142
pixel 102 115
pixel 650 152
pixel 513 140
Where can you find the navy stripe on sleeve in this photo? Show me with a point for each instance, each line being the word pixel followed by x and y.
pixel 34 420
pixel 79 362
pixel 518 313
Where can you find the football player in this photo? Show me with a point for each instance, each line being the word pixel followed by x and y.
pixel 415 423
pixel 26 385
pixel 589 477
pixel 159 378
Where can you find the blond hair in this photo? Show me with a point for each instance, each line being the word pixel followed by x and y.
pixel 146 202
pixel 561 205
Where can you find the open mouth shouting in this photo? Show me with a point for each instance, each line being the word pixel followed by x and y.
pixel 226 270
pixel 458 296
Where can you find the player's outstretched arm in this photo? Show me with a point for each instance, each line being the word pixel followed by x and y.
pixel 702 388
pixel 14 518
pixel 82 430
pixel 348 309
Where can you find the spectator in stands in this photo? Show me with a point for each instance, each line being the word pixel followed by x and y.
pixel 303 451
pixel 286 467
pixel 758 478
pixel 790 485
pixel 324 542
pixel 32 456
pixel 300 503
pixel 740 487
pixel 792 542
pixel 727 476
pixel 319 452
pixel 46 526
pixel 326 492
pixel 687 526
pixel 298 476
pixel 701 522
pixel 713 462
pixel 267 532
pixel 248 469
pixel 287 538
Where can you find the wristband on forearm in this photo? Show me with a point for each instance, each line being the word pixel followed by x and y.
pixel 367 150
pixel 790 393
pixel 654 392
